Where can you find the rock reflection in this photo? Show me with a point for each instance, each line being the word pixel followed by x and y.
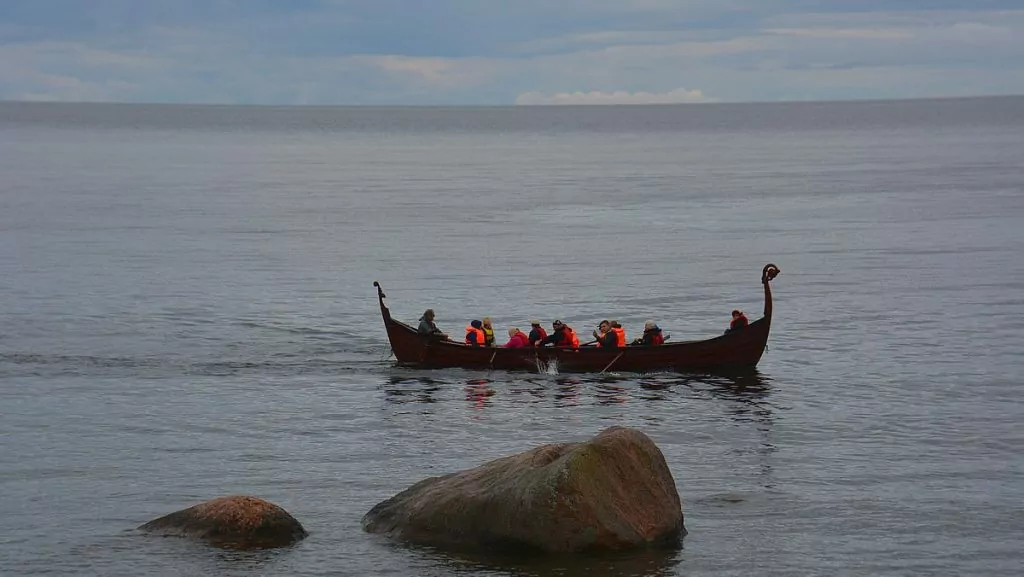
pixel 648 563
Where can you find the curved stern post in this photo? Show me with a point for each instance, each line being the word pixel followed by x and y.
pixel 384 312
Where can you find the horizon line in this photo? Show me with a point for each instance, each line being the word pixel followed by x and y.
pixel 514 105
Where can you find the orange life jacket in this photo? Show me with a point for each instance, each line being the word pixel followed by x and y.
pixel 569 338
pixel 620 336
pixel 471 330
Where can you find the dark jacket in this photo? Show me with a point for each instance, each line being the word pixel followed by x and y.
pixel 536 335
pixel 608 340
pixel 555 338
pixel 652 337
pixel 428 327
pixel 738 324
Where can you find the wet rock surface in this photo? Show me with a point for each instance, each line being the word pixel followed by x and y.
pixel 612 492
pixel 236 522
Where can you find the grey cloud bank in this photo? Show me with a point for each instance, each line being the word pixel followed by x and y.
pixel 461 52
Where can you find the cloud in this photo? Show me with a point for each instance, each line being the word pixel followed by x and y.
pixel 530 51
pixel 441 72
pixel 838 33
pixel 677 96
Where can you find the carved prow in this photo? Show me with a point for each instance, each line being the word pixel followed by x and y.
pixel 768 274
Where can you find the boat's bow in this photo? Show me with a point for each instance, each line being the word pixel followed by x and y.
pixel 768 274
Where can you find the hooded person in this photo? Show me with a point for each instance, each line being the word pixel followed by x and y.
pixel 427 326
pixel 475 334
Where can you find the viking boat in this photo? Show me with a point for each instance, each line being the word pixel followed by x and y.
pixel 739 349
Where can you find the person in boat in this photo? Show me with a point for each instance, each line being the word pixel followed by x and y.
pixel 739 322
pixel 652 335
pixel 604 336
pixel 488 332
pixel 537 333
pixel 427 326
pixel 619 332
pixel 517 339
pixel 561 337
pixel 475 334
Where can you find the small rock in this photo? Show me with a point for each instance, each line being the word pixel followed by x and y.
pixel 236 522
pixel 612 492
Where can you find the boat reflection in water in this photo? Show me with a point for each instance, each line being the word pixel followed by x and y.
pixel 743 396
pixel 568 390
pixel 611 390
pixel 745 393
pixel 479 393
pixel 746 398
pixel 412 389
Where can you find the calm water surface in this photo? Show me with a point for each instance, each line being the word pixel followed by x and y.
pixel 186 311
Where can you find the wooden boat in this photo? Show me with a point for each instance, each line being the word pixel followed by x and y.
pixel 737 350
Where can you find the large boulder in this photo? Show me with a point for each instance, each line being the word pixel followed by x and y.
pixel 612 492
pixel 237 522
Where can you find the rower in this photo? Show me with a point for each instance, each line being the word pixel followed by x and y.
pixel 652 335
pixel 561 337
pixel 604 335
pixel 619 332
pixel 537 333
pixel 601 332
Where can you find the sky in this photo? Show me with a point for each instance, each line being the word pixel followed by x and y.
pixel 498 52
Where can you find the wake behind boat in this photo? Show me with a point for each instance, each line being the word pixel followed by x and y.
pixel 740 349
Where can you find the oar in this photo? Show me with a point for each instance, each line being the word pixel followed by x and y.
pixel 611 363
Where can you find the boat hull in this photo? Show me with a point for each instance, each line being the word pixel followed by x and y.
pixel 740 349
